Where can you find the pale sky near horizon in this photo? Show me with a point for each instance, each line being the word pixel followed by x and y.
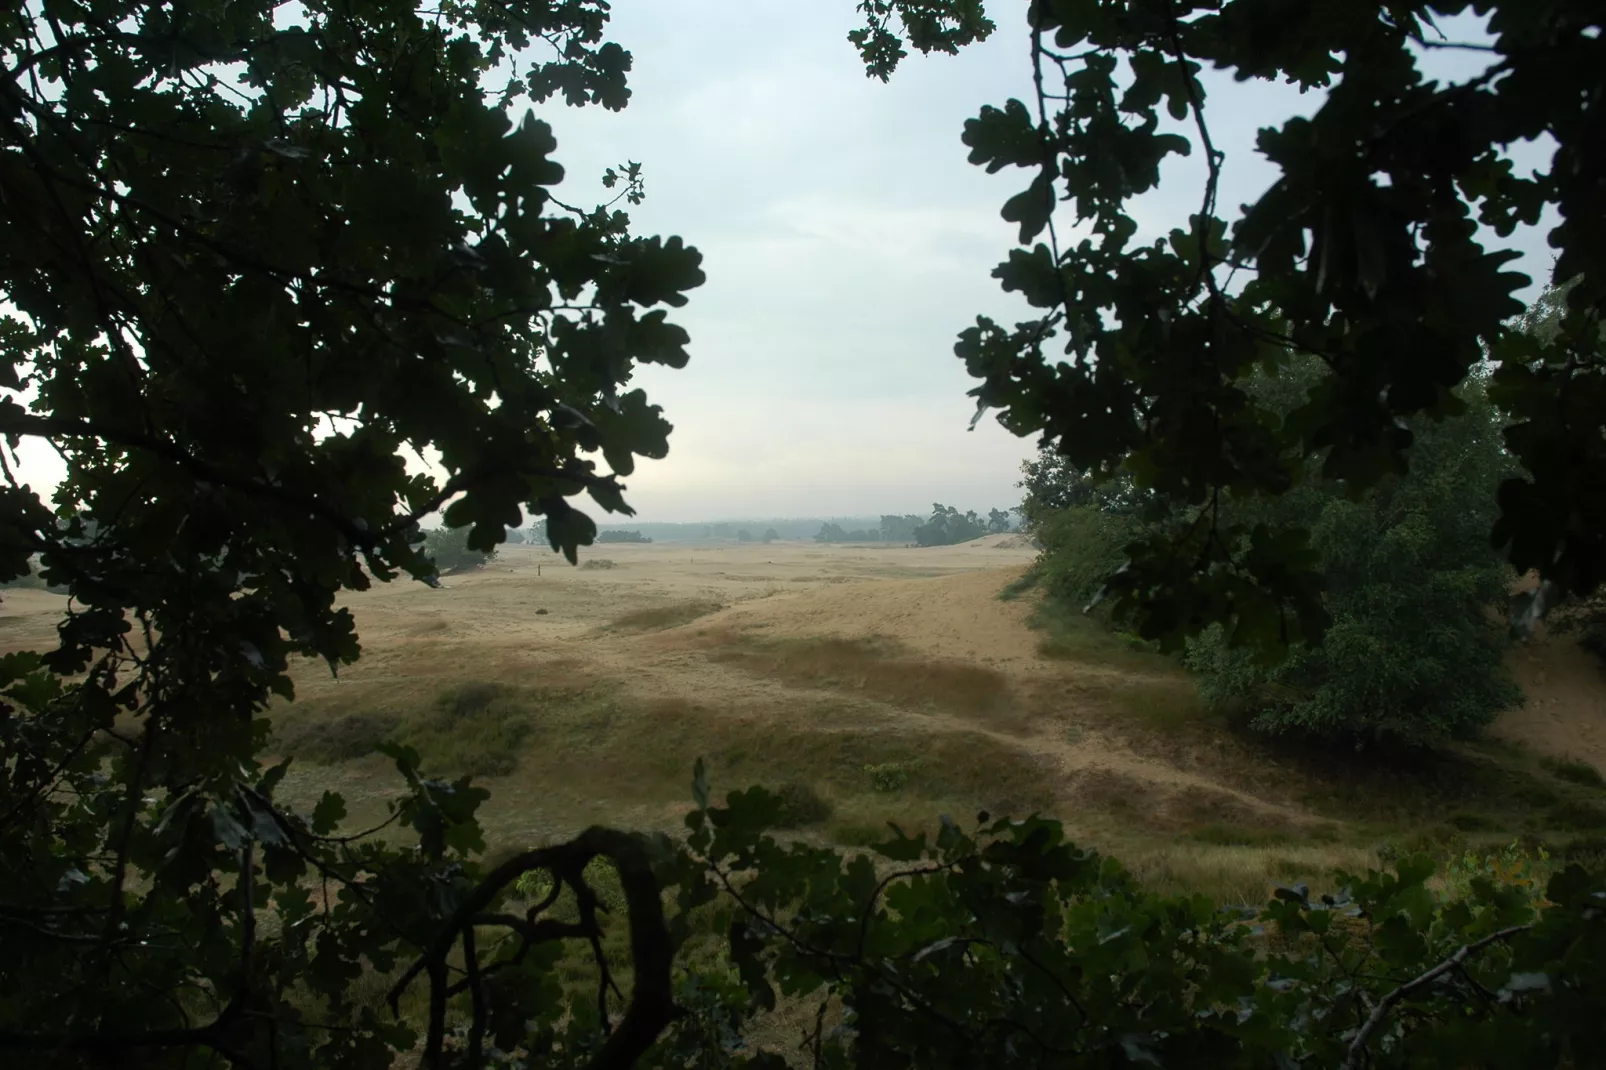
pixel 846 241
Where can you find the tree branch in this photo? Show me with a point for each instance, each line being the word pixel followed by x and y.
pixel 651 1005
pixel 1357 1048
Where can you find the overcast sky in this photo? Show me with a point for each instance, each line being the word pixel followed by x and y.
pixel 846 241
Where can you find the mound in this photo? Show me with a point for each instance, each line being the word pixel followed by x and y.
pixel 956 618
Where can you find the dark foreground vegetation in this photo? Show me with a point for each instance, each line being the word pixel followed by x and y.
pixel 249 261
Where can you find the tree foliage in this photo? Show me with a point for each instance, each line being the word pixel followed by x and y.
pixel 622 536
pixel 449 549
pixel 1007 945
pixel 1414 653
pixel 834 532
pixel 247 261
pixel 1363 252
pixel 947 526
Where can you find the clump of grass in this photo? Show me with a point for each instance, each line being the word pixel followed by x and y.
pixel 326 741
pixel 661 617
pixel 1574 771
pixel 597 562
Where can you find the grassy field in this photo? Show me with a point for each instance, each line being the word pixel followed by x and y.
pixel 878 684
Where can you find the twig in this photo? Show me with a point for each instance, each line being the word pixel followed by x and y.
pixel 1357 1048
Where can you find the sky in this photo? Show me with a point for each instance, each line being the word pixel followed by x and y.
pixel 846 242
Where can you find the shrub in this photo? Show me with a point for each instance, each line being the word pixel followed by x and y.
pixel 888 777
pixel 1411 656
pixel 1082 546
pixel 801 805
pixel 600 876
pixel 593 563
pixel 1513 866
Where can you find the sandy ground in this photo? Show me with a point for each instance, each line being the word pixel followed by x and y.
pixel 1565 714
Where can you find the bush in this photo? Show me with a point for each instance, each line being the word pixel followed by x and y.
pixel 448 548
pixel 1412 656
pixel 1514 866
pixel 801 805
pixel 888 777
pixel 600 876
pixel 1082 546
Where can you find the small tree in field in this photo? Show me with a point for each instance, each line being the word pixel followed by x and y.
pixel 449 549
pixel 1413 653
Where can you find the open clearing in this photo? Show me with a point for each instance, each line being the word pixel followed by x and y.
pixel 892 683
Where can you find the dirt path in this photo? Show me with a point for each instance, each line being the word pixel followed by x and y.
pixel 1565 715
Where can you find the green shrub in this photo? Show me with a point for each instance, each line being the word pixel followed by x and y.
pixel 1470 822
pixel 1516 865
pixel 1082 546
pixel 1579 816
pixel 888 777
pixel 1412 656
pixel 801 805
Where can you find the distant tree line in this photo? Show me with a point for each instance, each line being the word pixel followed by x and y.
pixel 945 527
pixel 622 536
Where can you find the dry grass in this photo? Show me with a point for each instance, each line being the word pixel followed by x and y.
pixel 874 668
pixel 1239 875
pixel 657 618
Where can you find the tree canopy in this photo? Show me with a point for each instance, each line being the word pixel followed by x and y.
pixel 1364 253
pixel 250 265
